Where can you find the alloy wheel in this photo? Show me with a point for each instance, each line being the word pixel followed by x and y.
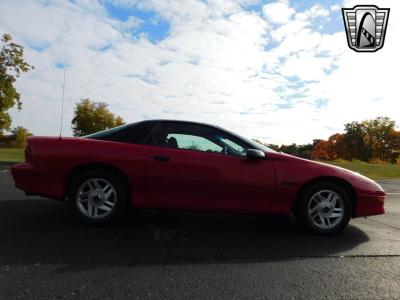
pixel 326 209
pixel 96 198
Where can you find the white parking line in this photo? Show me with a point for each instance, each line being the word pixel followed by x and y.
pixel 396 193
pixel 4 171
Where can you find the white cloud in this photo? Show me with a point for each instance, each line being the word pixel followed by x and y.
pixel 306 66
pixel 316 11
pixel 218 64
pixel 278 12
pixel 131 23
pixel 335 7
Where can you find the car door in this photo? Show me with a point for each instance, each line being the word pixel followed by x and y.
pixel 198 167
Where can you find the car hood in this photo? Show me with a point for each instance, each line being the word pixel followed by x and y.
pixel 360 182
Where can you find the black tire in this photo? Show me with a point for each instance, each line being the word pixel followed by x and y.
pixel 120 195
pixel 306 203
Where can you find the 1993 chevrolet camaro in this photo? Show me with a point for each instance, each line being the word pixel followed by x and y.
pixel 188 165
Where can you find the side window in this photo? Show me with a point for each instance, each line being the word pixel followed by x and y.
pixel 193 142
pixel 236 148
pixel 197 138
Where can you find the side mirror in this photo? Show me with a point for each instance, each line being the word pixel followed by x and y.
pixel 255 154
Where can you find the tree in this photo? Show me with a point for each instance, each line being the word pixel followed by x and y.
pixel 394 146
pixel 375 139
pixel 321 150
pixel 379 133
pixel 20 135
pixel 304 151
pixel 272 146
pixel 90 117
pixel 371 139
pixel 289 149
pixel 331 149
pixel 12 64
pixel 355 142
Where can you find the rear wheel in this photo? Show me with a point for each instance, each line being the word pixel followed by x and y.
pixel 98 196
pixel 324 208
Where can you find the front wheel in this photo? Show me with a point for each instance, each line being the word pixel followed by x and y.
pixel 324 208
pixel 97 196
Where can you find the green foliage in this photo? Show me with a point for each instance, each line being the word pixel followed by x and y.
pixel 12 64
pixel 20 135
pixel 91 117
pixel 303 151
pixel 380 135
pixel 355 143
pixel 272 146
pixel 194 146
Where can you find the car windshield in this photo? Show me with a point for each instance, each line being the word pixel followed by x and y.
pixel 252 143
pixel 260 146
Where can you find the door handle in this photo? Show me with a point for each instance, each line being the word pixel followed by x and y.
pixel 161 158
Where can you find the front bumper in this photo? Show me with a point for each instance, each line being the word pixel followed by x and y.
pixel 370 205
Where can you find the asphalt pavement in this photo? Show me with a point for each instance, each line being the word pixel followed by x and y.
pixel 46 253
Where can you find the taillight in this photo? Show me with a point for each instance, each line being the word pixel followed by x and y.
pixel 28 154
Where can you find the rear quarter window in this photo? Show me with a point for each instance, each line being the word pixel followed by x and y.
pixel 133 133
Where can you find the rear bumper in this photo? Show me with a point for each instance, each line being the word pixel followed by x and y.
pixel 38 179
pixel 370 205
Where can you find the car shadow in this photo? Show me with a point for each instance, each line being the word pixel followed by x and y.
pixel 44 232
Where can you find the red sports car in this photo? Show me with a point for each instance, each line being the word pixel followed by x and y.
pixel 188 165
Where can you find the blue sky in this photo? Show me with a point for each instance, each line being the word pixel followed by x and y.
pixel 279 71
pixel 157 28
pixel 153 26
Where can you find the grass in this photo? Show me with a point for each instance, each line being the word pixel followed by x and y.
pixel 374 171
pixel 11 154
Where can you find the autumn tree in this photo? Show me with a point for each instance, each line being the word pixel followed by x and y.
pixel 375 139
pixel 90 117
pixel 12 65
pixel 371 139
pixel 368 140
pixel 331 149
pixel 321 150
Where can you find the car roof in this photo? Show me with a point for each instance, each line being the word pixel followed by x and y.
pixel 182 122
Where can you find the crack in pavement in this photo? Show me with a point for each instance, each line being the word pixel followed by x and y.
pixel 158 237
pixel 390 226
pixel 255 261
